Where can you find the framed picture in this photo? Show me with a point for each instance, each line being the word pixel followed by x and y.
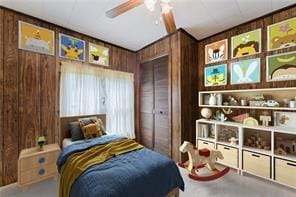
pixel 246 71
pixel 36 39
pixel 216 75
pixel 281 67
pixel 98 54
pixel 281 35
pixel 285 119
pixel 245 44
pixel 71 47
pixel 216 52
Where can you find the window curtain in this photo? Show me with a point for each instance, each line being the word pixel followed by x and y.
pixel 87 90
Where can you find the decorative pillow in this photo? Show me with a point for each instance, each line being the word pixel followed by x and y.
pixel 91 127
pixel 76 133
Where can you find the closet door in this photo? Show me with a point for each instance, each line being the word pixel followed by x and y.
pixel 147 105
pixel 162 134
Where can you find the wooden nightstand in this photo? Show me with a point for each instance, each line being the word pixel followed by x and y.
pixel 35 165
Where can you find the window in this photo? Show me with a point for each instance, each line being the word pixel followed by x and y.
pixel 87 90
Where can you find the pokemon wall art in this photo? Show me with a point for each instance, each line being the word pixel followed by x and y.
pixel 281 35
pixel 281 67
pixel 246 71
pixel 245 44
pixel 98 54
pixel 71 48
pixel 36 39
pixel 216 52
pixel 216 75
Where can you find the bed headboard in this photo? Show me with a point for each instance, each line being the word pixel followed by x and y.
pixel 64 124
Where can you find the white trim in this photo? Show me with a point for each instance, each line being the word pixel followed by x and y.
pixel 267 67
pixel 208 67
pixel 20 34
pixel 226 49
pixel 259 75
pixel 259 47
pixel 268 29
pixel 60 51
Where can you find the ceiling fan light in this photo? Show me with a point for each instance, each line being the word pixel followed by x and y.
pixel 150 4
pixel 166 8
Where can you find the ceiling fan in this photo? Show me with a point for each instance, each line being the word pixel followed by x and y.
pixel 165 6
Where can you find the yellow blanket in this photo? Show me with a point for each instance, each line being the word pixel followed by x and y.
pixel 77 163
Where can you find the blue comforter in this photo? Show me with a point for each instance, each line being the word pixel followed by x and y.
pixel 138 173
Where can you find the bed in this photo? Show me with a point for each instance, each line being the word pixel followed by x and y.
pixel 141 172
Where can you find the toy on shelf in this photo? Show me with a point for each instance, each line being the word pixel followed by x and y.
pixel 220 116
pixel 213 99
pixel 206 113
pixel 233 141
pixel 226 134
pixel 232 101
pixel 227 111
pixel 284 147
pixel 250 121
pixel 271 103
pixel 257 141
pixel 199 159
pixel 240 118
pixel 265 118
pixel 257 100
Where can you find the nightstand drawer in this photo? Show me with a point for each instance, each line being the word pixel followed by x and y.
pixel 28 163
pixel 36 174
pixel 205 144
pixel 256 163
pixel 285 172
pixel 230 156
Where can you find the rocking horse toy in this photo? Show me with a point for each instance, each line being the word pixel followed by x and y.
pixel 199 159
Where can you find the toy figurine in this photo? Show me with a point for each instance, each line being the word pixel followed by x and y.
pixel 265 118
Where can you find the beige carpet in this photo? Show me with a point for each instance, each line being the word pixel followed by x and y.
pixel 231 185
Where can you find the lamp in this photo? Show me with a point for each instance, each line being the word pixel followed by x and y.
pixel 166 6
pixel 150 4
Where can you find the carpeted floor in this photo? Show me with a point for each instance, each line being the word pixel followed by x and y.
pixel 231 185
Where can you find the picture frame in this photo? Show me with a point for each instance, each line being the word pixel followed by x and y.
pixel 98 54
pixel 285 119
pixel 36 39
pixel 281 67
pixel 215 75
pixel 245 71
pixel 216 51
pixel 246 44
pixel 281 35
pixel 71 48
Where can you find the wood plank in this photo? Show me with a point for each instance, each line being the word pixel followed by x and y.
pixel 1 94
pixel 10 100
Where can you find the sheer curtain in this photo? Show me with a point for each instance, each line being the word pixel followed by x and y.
pixel 120 103
pixel 87 90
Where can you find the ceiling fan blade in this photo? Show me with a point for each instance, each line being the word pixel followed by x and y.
pixel 169 22
pixel 122 8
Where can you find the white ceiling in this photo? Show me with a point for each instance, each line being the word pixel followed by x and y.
pixel 137 28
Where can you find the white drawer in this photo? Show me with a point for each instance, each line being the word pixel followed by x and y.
pixel 205 144
pixel 257 164
pixel 230 155
pixel 285 172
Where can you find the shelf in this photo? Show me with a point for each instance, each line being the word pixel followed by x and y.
pixel 206 139
pixel 249 107
pixel 287 157
pixel 251 90
pixel 257 150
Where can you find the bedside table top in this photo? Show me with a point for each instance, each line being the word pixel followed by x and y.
pixel 35 150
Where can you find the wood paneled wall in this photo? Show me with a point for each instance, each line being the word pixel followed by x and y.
pixel 181 49
pixel 29 83
pixel 262 23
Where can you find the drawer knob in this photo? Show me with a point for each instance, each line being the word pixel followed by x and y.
pixel 41 171
pixel 41 160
